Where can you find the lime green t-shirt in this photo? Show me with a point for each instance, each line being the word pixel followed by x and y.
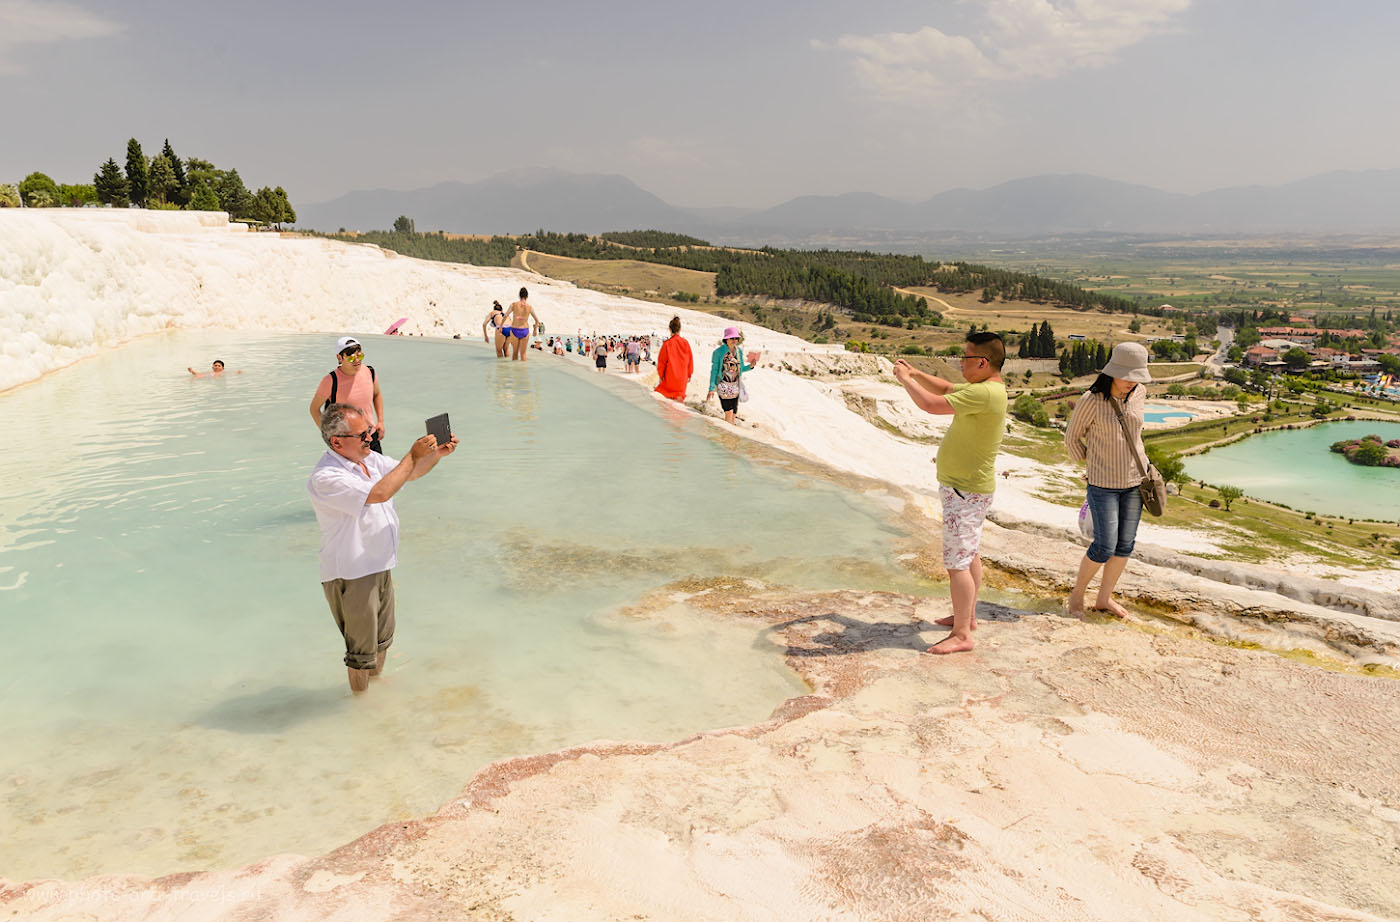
pixel 967 457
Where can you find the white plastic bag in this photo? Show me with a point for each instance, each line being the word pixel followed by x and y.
pixel 1086 521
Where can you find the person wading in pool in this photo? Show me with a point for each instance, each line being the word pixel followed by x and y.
pixel 217 372
pixel 352 491
pixel 354 383
pixel 518 325
pixel 726 368
pixel 496 320
pixel 674 365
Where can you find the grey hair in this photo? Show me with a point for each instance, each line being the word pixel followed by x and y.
pixel 333 420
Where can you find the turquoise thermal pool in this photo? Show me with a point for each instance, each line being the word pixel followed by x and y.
pixel 1159 414
pixel 1297 468
pixel 175 692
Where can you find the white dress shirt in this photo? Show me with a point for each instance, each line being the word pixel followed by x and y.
pixel 357 538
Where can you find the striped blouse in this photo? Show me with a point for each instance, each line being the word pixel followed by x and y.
pixel 1095 437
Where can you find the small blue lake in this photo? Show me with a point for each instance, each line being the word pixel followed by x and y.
pixel 1297 468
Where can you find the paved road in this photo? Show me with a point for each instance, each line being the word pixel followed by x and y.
pixel 1216 363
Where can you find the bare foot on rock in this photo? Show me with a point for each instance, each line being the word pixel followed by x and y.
pixel 948 622
pixel 952 644
pixel 1112 607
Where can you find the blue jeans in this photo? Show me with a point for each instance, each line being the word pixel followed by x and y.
pixel 1116 516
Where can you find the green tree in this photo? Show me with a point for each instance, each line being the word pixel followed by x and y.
pixel 403 224
pixel 1028 409
pixel 1135 326
pixel 204 199
pixel 1166 349
pixel 1296 358
pixel 180 195
pixel 272 207
pixel 1228 495
pixel 1169 465
pixel 77 195
pixel 1369 453
pixel 289 214
pixel 38 191
pixel 234 197
pixel 9 196
pixel 137 173
pixel 111 185
pixel 162 185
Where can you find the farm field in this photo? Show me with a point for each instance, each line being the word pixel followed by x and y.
pixel 623 276
pixel 1306 274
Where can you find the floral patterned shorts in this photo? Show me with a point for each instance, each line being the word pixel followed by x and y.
pixel 963 514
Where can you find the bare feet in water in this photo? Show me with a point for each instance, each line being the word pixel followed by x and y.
pixel 948 622
pixel 952 644
pixel 1075 607
pixel 1112 607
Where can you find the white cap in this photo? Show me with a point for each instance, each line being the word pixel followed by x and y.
pixel 344 343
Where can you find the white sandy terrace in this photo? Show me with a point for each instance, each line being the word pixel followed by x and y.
pixel 73 282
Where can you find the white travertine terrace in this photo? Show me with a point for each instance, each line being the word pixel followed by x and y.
pixel 1064 770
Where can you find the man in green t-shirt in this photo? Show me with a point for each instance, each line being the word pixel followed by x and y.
pixel 966 468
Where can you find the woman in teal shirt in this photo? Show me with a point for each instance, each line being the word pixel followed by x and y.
pixel 726 368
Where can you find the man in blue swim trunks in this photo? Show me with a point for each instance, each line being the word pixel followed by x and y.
pixel 519 317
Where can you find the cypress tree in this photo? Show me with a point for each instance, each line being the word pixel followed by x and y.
pixel 137 177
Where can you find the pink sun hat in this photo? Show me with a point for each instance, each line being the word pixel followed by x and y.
pixel 731 333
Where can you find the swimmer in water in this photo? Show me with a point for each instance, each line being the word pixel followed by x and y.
pixel 496 320
pixel 520 314
pixel 218 371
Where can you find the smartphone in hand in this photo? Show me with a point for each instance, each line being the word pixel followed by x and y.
pixel 439 428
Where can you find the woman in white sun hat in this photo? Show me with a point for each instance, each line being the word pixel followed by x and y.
pixel 1095 437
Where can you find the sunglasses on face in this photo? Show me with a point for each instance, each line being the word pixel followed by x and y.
pixel 365 436
pixel 356 357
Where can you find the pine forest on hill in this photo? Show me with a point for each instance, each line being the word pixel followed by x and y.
pixel 863 283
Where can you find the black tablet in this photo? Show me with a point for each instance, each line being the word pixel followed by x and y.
pixel 440 428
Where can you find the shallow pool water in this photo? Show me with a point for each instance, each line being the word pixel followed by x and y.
pixel 1297 468
pixel 175 693
pixel 1157 414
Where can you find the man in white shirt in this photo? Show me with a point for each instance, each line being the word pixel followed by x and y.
pixel 352 491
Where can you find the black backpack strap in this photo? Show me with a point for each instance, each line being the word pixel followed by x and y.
pixel 335 381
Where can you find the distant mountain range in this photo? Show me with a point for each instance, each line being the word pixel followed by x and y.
pixel 526 200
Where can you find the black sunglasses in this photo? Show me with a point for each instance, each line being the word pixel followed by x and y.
pixel 362 436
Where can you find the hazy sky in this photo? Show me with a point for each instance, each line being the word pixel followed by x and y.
pixel 707 103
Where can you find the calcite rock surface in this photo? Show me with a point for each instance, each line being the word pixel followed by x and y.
pixel 1064 770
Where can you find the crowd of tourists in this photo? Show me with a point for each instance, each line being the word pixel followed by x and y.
pixel 354 483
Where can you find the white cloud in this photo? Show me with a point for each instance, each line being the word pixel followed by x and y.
pixel 29 22
pixel 1018 40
